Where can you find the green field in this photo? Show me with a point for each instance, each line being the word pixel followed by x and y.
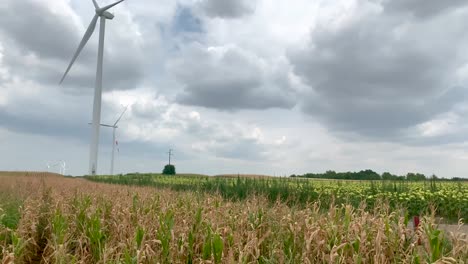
pixel 445 198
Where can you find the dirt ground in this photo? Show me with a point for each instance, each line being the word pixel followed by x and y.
pixel 455 228
pixel 448 228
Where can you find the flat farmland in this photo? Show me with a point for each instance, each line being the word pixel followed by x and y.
pixel 158 219
pixel 446 199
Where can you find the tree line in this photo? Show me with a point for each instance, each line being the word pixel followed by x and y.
pixel 372 175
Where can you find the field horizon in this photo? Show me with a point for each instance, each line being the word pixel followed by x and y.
pixel 224 175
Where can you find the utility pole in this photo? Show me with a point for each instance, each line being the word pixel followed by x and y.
pixel 170 154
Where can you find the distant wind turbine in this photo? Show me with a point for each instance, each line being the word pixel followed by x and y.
pixel 54 165
pixel 103 14
pixel 63 167
pixel 48 166
pixel 114 127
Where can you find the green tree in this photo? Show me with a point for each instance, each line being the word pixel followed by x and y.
pixel 415 176
pixel 389 176
pixel 169 169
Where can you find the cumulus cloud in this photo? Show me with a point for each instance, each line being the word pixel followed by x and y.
pixel 40 27
pixel 443 129
pixel 219 82
pixel 35 49
pixel 376 74
pixel 42 40
pixel 153 120
pixel 55 114
pixel 422 8
pixel 230 78
pixel 227 8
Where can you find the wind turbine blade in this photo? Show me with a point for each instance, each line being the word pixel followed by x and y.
pixel 104 125
pixel 111 5
pixel 125 110
pixel 86 37
pixel 95 4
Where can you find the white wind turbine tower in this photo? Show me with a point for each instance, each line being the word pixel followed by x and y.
pixel 103 14
pixel 63 167
pixel 114 127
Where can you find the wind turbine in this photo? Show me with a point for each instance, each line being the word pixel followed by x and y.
pixel 103 14
pixel 114 127
pixel 48 166
pixel 53 166
pixel 63 167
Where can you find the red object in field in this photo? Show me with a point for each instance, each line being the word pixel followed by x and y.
pixel 416 222
pixel 415 226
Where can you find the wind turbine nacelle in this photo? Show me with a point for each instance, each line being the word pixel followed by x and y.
pixel 108 15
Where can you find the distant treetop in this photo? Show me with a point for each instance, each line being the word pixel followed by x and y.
pixel 365 175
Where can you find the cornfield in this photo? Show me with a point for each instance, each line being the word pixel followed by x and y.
pixel 448 199
pixel 52 219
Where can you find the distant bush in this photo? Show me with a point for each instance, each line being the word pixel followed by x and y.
pixel 169 170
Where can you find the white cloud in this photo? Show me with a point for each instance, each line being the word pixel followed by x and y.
pixel 240 71
pixel 227 8
pixel 376 73
pixel 440 126
pixel 231 78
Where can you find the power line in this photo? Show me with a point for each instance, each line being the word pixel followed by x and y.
pixel 170 155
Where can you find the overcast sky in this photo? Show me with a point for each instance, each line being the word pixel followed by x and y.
pixel 240 86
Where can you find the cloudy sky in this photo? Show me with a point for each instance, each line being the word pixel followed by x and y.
pixel 240 86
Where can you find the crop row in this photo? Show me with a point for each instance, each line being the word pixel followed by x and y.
pixel 449 199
